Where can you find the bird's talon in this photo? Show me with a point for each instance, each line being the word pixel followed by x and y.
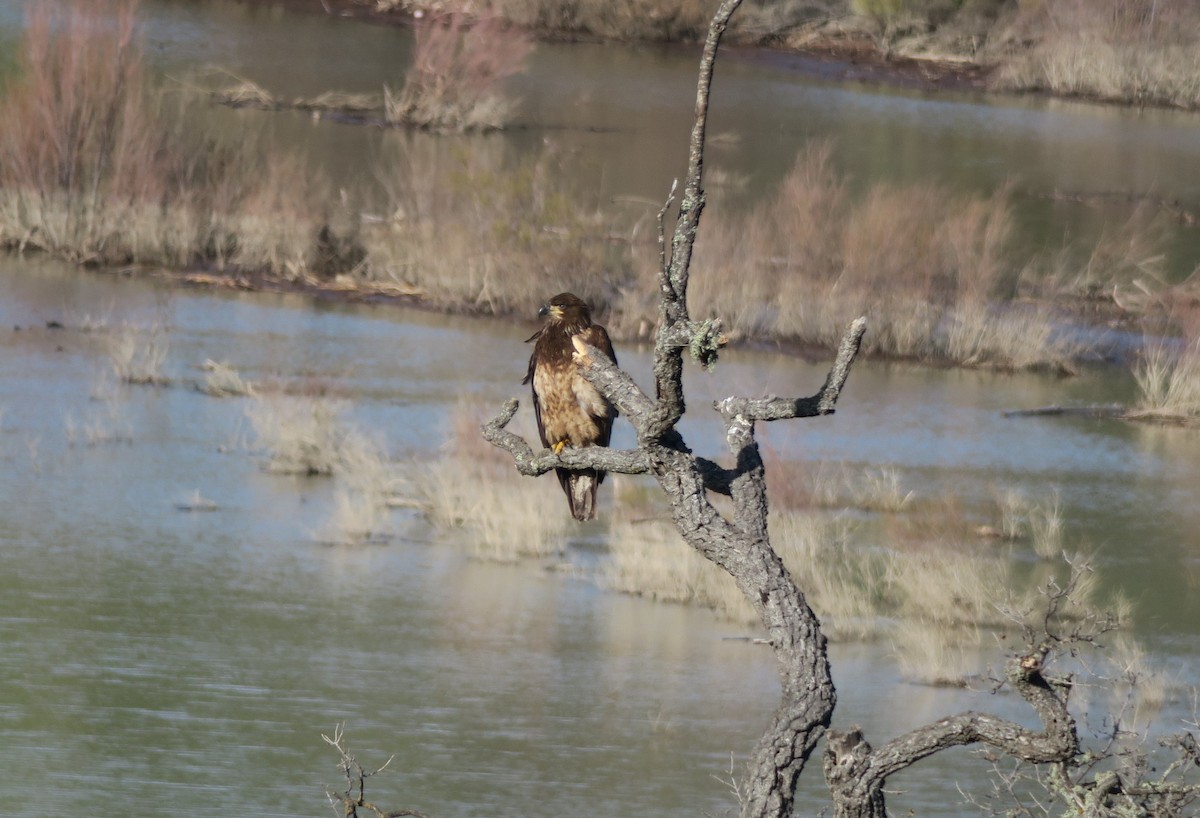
pixel 559 446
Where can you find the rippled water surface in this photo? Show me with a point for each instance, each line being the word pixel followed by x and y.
pixel 196 657
pixel 192 660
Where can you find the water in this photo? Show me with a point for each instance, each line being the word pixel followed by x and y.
pixel 195 659
pixel 618 117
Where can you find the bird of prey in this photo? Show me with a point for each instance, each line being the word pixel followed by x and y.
pixel 570 411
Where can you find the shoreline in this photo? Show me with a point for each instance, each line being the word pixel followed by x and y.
pixel 1080 315
pixel 839 55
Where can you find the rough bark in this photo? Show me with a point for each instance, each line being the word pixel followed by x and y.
pixel 855 772
pixel 741 546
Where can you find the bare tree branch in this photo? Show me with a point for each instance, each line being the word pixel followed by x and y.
pixel 353 798
pixel 855 772
pixel 533 464
pixel 673 278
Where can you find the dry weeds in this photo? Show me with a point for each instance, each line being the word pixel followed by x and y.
pixel 1038 521
pixel 1125 50
pixel 139 353
pixel 459 64
pixel 94 169
pixel 860 577
pixel 932 270
pixel 221 380
pixel 309 436
pixel 500 515
pixel 1168 379
pixel 446 206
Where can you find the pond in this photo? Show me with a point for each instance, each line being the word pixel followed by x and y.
pixel 195 658
pixel 191 661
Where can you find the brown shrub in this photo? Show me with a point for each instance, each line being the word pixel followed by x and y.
pixel 1144 51
pixel 458 66
pixel 94 170
pixel 487 236
pixel 931 268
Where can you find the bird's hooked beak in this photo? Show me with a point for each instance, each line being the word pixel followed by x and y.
pixel 552 311
pixel 543 310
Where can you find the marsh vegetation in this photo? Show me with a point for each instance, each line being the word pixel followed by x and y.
pixel 108 169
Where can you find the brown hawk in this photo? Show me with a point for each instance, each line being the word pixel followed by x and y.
pixel 570 411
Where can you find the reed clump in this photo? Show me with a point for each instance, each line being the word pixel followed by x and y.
pixel 459 63
pixel 474 492
pixel 1168 380
pixel 96 170
pixel 933 271
pixel 890 567
pixel 1137 51
pixel 466 230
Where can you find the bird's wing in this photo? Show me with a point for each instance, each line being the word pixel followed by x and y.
pixel 537 403
pixel 597 336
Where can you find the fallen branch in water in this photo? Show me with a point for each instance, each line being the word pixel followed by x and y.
pixel 1172 207
pixel 1102 410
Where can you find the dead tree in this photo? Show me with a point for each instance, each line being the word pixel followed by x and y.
pixel 855 771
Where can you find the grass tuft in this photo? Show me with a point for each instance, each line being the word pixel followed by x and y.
pixel 458 66
pixel 498 514
pixel 932 270
pixel 1168 380
pixel 95 170
pixel 308 435
pixel 221 381
pixel 1119 50
pixel 139 353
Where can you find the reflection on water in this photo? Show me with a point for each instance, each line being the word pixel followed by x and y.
pixel 195 658
pixel 618 118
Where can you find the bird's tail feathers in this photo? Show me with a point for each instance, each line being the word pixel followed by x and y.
pixel 581 494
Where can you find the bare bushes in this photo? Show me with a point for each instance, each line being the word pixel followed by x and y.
pixel 931 269
pixel 311 436
pixel 94 170
pixel 445 204
pixel 1168 379
pixel 76 133
pixel 891 568
pixel 458 65
pixel 475 492
pixel 1142 51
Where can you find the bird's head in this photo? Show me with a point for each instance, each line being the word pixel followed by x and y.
pixel 566 308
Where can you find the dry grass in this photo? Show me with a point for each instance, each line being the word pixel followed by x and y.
pixel 196 502
pixel 459 64
pixel 139 353
pixel 1139 51
pixel 650 559
pixel 222 381
pixel 1168 379
pixel 244 93
pixel 666 20
pixel 94 169
pixel 535 230
pixel 1039 521
pixel 925 654
pixel 475 490
pixel 101 426
pixel 932 271
pixel 1144 689
pixel 799 486
pixel 310 436
pixel 927 582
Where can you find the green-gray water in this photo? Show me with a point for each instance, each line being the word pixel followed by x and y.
pixel 186 663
